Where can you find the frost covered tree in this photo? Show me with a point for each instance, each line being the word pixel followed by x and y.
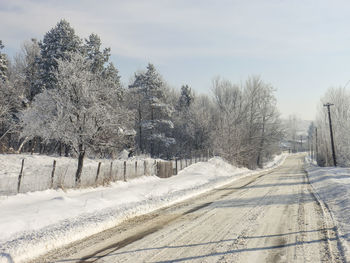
pixel 186 98
pixel 99 60
pixel 340 113
pixel 31 57
pixel 229 114
pixel 5 107
pixel 3 63
pixel 92 49
pixel 153 123
pixel 10 102
pixel 83 111
pixel 200 124
pixel 311 135
pixel 247 129
pixel 24 69
pixel 191 120
pixel 59 43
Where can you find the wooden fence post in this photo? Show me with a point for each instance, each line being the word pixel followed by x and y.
pixel 156 166
pixel 176 166
pixel 110 171
pixel 20 177
pixel 98 171
pixel 144 167
pixel 53 172
pixel 135 168
pixel 124 171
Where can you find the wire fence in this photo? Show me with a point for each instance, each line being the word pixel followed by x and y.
pixel 25 173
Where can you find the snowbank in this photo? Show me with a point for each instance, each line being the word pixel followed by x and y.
pixel 332 186
pixel 34 223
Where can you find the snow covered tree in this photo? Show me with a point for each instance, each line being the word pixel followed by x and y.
pixel 10 101
pixel 247 128
pixel 186 98
pixel 59 43
pixel 5 104
pixel 154 124
pixel 24 70
pixel 31 53
pixel 83 111
pixel 229 116
pixel 92 49
pixel 3 64
pixel 192 123
pixel 340 114
pixel 311 135
pixel 181 119
pixel 200 123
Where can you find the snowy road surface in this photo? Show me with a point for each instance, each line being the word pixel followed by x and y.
pixel 272 217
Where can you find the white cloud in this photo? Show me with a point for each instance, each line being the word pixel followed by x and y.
pixel 296 44
pixel 163 29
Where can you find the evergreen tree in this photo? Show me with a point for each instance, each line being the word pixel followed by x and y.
pixel 59 43
pixel 154 124
pixel 31 58
pixel 186 97
pixel 182 118
pixel 98 58
pixel 3 64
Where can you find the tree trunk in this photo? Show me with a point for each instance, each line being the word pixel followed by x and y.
pixel 21 145
pixel 33 145
pixel 66 150
pixel 60 148
pixel 80 165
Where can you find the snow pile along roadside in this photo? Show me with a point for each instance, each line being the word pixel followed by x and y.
pixel 332 186
pixel 34 223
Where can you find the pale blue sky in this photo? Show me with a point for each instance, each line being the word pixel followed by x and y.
pixel 300 47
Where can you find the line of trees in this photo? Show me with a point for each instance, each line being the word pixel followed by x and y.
pixel 62 95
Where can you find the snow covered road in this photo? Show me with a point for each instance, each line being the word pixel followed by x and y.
pixel 270 217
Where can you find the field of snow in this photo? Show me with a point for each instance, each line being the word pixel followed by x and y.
pixel 38 169
pixel 332 186
pixel 36 222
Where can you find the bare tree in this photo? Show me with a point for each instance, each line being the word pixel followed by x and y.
pixel 247 125
pixel 340 112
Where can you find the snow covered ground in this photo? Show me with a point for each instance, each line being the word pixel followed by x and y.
pixel 36 222
pixel 332 186
pixel 38 169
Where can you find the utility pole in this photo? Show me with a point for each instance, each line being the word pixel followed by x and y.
pixel 331 131
pixel 316 147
